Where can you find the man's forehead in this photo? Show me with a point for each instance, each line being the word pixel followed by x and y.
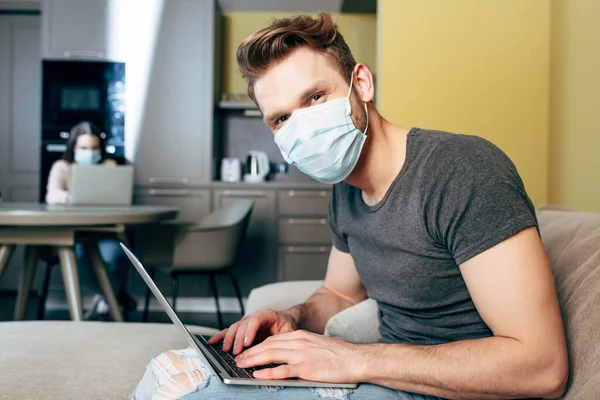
pixel 288 79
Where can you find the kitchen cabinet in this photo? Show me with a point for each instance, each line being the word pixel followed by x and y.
pixel 84 29
pixel 193 204
pixel 303 262
pixel 304 235
pixel 257 265
pixel 175 143
pixel 304 230
pixel 20 116
pixel 304 202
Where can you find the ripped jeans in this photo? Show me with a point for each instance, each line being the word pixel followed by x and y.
pixel 181 374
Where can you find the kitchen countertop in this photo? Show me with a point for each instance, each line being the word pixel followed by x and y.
pixel 272 185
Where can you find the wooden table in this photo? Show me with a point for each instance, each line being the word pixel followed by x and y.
pixel 34 225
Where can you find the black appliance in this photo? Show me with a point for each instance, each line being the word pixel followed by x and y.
pixel 75 91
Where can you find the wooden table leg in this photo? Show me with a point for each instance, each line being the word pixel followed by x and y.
pixel 6 251
pixel 100 270
pixel 70 276
pixel 27 275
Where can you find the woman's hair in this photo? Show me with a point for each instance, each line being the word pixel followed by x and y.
pixel 262 49
pixel 83 128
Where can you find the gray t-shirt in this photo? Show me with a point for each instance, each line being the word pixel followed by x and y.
pixel 455 197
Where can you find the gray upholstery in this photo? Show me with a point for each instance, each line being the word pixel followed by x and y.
pixel 79 360
pixel 210 244
pixel 572 241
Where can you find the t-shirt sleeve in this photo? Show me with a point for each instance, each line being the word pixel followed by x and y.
pixel 477 198
pixel 340 241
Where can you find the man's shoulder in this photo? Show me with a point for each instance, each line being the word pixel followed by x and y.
pixel 452 150
pixel 452 143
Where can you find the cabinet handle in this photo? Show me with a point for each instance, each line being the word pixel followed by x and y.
pixel 244 193
pixel 305 221
pixel 83 53
pixel 56 148
pixel 306 249
pixel 168 192
pixel 308 193
pixel 252 113
pixel 169 180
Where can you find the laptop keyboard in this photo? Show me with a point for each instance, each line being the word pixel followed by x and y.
pixel 227 360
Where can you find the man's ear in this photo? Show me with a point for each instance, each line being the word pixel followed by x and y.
pixel 363 82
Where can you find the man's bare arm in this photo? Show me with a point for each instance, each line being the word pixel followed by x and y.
pixel 513 289
pixel 342 288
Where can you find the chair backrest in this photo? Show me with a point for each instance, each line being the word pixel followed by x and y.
pixel 216 242
pixel 231 213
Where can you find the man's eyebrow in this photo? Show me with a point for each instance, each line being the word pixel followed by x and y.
pixel 318 85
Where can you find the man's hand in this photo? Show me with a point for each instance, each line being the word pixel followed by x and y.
pixel 304 355
pixel 259 325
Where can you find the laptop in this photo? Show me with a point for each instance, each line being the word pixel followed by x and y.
pixel 101 185
pixel 219 362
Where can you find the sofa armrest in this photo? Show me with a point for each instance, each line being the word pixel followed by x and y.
pixel 280 296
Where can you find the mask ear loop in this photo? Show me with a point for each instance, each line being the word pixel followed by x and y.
pixel 366 109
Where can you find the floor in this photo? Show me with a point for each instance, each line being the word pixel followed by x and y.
pixel 7 306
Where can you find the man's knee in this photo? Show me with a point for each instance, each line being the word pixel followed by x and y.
pixel 172 375
pixel 332 393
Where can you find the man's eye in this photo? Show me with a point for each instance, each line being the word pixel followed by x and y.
pixel 316 97
pixel 282 119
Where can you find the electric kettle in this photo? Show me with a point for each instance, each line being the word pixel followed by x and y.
pixel 257 167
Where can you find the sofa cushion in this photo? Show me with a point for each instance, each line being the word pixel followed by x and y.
pixel 80 360
pixel 280 296
pixel 356 324
pixel 572 242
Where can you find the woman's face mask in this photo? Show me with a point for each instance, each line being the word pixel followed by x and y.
pixel 87 150
pixel 322 140
pixel 87 156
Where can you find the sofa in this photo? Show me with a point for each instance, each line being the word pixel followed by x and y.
pixel 91 360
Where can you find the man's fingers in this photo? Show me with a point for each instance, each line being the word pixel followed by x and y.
pixel 218 337
pixel 242 333
pixel 293 335
pixel 280 372
pixel 238 344
pixel 271 356
pixel 270 344
pixel 251 331
pixel 230 336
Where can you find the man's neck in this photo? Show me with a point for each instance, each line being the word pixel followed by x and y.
pixel 382 158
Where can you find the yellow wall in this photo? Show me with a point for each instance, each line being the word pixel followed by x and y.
pixel 575 105
pixel 471 66
pixel 359 30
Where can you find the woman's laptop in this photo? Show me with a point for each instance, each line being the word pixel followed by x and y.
pixel 222 364
pixel 101 185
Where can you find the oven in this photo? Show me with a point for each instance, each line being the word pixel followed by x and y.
pixel 75 91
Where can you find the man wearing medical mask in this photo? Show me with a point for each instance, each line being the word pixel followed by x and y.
pixel 436 227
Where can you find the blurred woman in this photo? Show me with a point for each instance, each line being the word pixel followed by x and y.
pixel 86 147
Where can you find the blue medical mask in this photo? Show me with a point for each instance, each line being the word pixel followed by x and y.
pixel 322 141
pixel 87 156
